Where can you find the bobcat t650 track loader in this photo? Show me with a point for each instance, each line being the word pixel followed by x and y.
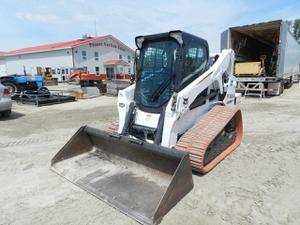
pixel 179 116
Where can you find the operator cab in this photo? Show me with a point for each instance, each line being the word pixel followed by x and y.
pixel 167 63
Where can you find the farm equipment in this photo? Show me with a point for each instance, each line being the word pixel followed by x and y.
pixel 30 90
pixel 85 77
pixel 180 115
pixel 46 73
pixel 43 97
pixel 17 84
pixel 91 84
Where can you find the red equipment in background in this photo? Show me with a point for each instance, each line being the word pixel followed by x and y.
pixel 85 75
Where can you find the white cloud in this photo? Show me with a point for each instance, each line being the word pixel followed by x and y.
pixel 203 18
pixel 82 18
pixel 35 17
pixel 58 20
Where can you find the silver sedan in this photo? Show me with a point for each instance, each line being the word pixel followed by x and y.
pixel 5 101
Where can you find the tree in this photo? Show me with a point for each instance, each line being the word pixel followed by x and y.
pixel 296 29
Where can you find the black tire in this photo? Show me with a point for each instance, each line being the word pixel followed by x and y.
pixel 13 87
pixel 43 90
pixel 6 114
pixel 289 83
pixel 281 88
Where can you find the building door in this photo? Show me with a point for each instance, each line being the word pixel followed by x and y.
pixel 110 73
pixel 58 72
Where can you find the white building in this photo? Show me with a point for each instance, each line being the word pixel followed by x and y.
pixel 100 55
pixel 2 64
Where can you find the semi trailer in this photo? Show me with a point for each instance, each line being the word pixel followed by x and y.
pixel 267 57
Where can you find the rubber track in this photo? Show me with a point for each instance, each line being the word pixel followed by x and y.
pixel 197 139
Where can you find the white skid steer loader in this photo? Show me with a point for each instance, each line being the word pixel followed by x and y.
pixel 180 115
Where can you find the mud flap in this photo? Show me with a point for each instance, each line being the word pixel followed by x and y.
pixel 140 179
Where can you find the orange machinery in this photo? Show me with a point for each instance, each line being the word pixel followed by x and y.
pixel 83 75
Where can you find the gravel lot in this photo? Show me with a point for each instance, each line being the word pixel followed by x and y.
pixel 257 184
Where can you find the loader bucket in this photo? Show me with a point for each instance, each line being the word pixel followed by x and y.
pixel 140 179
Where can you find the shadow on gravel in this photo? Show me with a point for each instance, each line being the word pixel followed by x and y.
pixel 13 116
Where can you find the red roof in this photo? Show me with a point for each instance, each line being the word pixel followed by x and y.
pixel 55 46
pixel 115 62
pixel 2 53
pixel 60 45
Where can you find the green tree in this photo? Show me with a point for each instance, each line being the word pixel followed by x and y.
pixel 296 29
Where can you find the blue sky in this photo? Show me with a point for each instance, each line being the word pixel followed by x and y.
pixel 27 23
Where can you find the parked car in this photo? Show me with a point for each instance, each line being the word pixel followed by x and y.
pixel 5 101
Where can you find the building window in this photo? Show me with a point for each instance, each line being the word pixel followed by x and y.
pixel 120 57
pixel 84 68
pixel 97 70
pixel 121 70
pixel 67 71
pixel 58 71
pixel 53 71
pixel 83 55
pixel 97 56
pixel 62 71
pixel 129 70
pixel 129 59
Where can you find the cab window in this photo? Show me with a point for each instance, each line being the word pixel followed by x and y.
pixel 195 63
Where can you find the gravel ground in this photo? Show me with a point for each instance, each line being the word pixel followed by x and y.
pixel 257 184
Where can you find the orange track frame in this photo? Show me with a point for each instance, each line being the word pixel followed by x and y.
pixel 197 139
